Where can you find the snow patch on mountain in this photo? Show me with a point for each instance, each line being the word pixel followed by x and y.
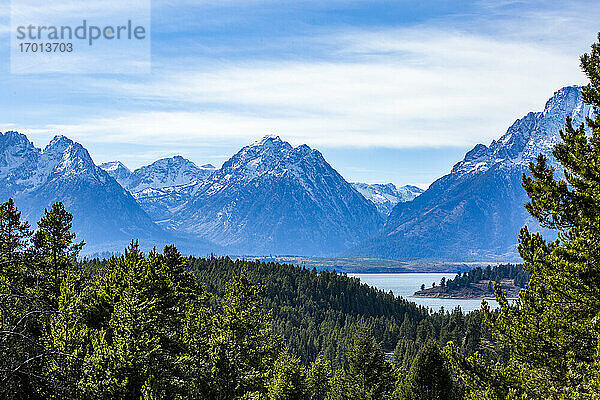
pixel 104 213
pixel 536 133
pixel 118 171
pixel 386 195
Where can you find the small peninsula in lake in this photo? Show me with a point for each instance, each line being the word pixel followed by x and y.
pixel 478 283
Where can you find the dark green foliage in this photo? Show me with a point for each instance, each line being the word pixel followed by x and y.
pixel 289 379
pixel 316 312
pixel 368 375
pixel 14 233
pixel 54 251
pixel 163 326
pixel 468 332
pixel 29 291
pixel 53 238
pixel 243 349
pixel 319 312
pixel 319 379
pixel 429 377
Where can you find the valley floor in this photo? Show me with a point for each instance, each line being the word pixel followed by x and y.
pixel 373 265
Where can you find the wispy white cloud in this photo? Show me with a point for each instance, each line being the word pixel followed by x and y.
pixel 443 83
pixel 417 87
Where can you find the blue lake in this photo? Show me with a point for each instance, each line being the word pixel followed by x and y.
pixel 406 284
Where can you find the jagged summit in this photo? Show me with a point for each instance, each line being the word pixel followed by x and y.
pixel 266 140
pixel 270 155
pixel 271 197
pixel 17 153
pixel 161 174
pixel 114 166
pixel 59 140
pixel 118 171
pixel 14 136
pixel 535 133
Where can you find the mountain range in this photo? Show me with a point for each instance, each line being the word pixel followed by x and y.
pixel 106 216
pixel 270 197
pixel 163 173
pixel 273 198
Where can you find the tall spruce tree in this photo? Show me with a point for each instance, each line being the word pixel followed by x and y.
pixel 289 380
pixel 429 377
pixel 20 311
pixel 242 344
pixel 54 249
pixel 14 233
pixel 368 375
pixel 553 329
pixel 319 379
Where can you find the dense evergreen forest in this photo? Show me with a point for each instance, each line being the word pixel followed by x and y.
pixel 318 313
pixel 163 326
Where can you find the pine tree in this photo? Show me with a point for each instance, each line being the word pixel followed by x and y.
pixel 54 249
pixel 429 377
pixel 21 312
pixel 319 379
pixel 134 329
pixel 14 233
pixel 243 347
pixel 289 380
pixel 368 375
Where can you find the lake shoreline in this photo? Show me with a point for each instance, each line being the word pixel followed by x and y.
pixel 406 284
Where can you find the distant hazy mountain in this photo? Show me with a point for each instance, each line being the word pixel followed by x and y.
pixel 386 196
pixel 105 215
pixel 476 210
pixel 163 173
pixel 271 197
pixel 117 170
pixel 160 187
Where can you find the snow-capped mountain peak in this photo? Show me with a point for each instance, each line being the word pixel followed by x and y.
pixel 114 166
pixel 252 161
pixel 17 155
pixel 477 210
pixel 118 171
pixel 268 140
pixel 104 213
pixel 535 133
pixel 271 197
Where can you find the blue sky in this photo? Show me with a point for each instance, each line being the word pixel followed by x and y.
pixel 389 91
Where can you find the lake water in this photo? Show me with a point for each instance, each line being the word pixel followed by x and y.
pixel 406 284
